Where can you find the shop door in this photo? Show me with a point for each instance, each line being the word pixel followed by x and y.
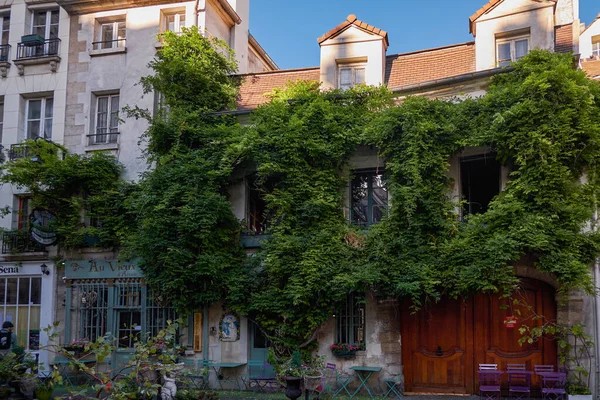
pixel 259 347
pixel 437 348
pixel 443 344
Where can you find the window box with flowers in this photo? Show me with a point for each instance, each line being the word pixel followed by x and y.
pixel 345 350
pixel 79 347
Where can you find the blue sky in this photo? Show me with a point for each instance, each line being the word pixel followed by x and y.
pixel 288 29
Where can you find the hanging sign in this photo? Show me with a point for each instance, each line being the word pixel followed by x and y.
pixel 510 322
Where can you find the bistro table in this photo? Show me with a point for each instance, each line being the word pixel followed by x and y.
pixel 364 373
pixel 231 376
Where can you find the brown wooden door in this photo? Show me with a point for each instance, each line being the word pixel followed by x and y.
pixel 443 344
pixel 437 353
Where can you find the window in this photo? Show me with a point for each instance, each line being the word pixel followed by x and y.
pixel 596 45
pixel 39 118
pixel 350 76
pixel 257 216
pixel 107 119
pixel 368 198
pixel 45 24
pixel 480 182
pixel 24 204
pixel 350 321
pixel 4 26
pixel 174 22
pixel 112 35
pixel 511 49
pixel 20 301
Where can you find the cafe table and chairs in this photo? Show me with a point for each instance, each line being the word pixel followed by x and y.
pixel 553 385
pixel 364 373
pixel 228 372
pixel 519 383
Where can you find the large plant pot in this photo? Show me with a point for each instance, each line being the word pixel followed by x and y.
pixel 43 394
pixel 580 397
pixel 293 388
pixel 312 382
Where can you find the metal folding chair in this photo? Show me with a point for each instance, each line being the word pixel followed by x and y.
pixel 483 367
pixel 515 367
pixel 543 368
pixel 196 377
pixel 394 386
pixel 519 385
pixel 489 384
pixel 553 386
pixel 343 380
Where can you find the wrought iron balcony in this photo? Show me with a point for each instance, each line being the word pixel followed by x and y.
pixel 4 52
pixel 18 151
pixel 14 242
pixel 109 44
pixel 104 136
pixel 49 48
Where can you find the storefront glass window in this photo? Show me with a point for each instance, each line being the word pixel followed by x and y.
pixel 20 304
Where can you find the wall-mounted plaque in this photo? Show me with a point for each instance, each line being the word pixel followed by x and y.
pixel 229 327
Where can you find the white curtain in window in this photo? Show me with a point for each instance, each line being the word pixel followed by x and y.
pixel 521 48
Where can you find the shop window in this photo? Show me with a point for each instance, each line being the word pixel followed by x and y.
pixel 510 49
pixel 350 321
pixel 20 302
pixel 480 182
pixel 39 118
pixel 368 198
pixel 351 75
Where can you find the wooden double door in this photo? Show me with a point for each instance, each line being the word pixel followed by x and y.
pixel 444 343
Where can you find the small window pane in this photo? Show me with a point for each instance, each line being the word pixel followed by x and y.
pixel 11 290
pixel 24 291
pixel 359 76
pixel 121 30
pixel 36 290
pixel 35 109
pixel 49 108
pixel 345 76
pixel 521 48
pixel 54 17
pixel 33 129
pixel 171 23
pixel 504 54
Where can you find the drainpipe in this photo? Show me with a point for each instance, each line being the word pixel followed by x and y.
pixel 596 319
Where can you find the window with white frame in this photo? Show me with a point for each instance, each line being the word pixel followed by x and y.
pixel 511 49
pixel 112 35
pixel 45 23
pixel 174 21
pixel 4 26
pixel 39 118
pixel 596 45
pixel 350 75
pixel 20 302
pixel 107 119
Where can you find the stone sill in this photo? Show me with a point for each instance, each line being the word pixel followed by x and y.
pixel 106 52
pixel 101 147
pixel 51 60
pixel 38 255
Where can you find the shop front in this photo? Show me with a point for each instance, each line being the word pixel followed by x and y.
pixel 27 298
pixel 110 298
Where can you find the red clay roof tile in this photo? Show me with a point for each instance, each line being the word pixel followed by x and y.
pixel 351 20
pixel 591 68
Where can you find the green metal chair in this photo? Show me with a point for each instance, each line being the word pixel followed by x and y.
pixel 343 380
pixel 394 386
pixel 197 376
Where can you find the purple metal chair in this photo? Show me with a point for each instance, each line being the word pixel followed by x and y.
pixel 515 367
pixel 553 386
pixel 489 384
pixel 519 384
pixel 543 368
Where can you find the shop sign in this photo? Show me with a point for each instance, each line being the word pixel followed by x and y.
pixel 91 269
pixel 510 322
pixel 9 270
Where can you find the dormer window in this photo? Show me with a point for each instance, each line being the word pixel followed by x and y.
pixel 596 45
pixel 511 49
pixel 351 75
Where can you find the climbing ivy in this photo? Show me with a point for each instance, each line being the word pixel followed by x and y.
pixel 72 186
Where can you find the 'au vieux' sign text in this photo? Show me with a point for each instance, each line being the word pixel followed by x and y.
pixel 102 269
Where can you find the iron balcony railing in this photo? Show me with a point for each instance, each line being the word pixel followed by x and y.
pixel 109 44
pixel 104 136
pixel 18 151
pixel 4 52
pixel 14 242
pixel 48 48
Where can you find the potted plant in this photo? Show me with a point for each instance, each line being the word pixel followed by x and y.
pixel 289 372
pixel 344 349
pixel 313 372
pixel 78 346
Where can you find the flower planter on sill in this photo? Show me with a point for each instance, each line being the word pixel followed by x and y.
pixel 345 354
